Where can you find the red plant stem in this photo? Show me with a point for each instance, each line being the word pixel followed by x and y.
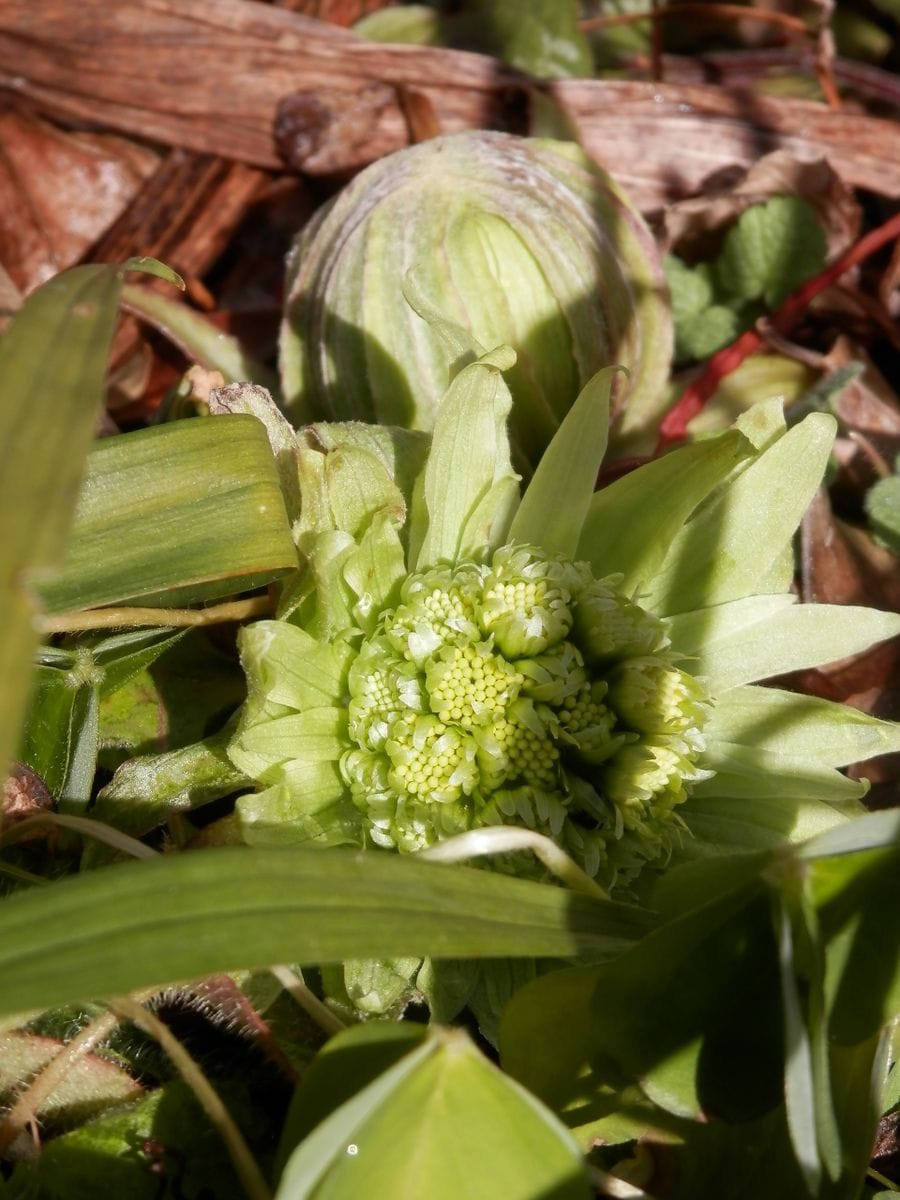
pixel 711 12
pixel 673 427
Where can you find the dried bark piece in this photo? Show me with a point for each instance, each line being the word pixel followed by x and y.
pixel 186 214
pixel 326 131
pixel 59 191
pixel 687 133
pixel 216 74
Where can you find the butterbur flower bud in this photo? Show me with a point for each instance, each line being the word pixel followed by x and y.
pixel 518 241
pixel 581 664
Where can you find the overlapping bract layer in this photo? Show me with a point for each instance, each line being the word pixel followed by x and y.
pixel 520 241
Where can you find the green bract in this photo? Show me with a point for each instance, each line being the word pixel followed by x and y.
pixel 580 664
pixel 518 241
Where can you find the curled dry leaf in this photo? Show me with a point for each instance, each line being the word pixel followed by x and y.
pixel 693 226
pixel 869 411
pixel 841 564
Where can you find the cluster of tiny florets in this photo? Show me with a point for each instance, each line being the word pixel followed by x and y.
pixel 523 691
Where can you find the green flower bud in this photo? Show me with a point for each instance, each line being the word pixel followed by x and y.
pixel 456 721
pixel 611 627
pixel 652 696
pixel 521 242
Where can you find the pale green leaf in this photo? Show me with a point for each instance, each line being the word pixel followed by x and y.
pixel 255 401
pixel 543 38
pixel 763 422
pixel 310 1162
pixel 316 735
pixel 883 511
pixel 469 455
pixel 152 266
pixel 328 554
pixel 287 666
pixel 359 486
pixel 345 1065
pixel 631 523
pixel 551 1067
pixel 793 724
pixel 857 896
pixel 802 635
pixel 772 375
pixel 375 569
pixel 406 1128
pixel 722 825
pixel 733 541
pixel 745 772
pixel 309 805
pixel 873 831
pixel 459 345
pixel 701 334
pixel 556 501
pixel 175 513
pixel 415 24
pixel 799 1082
pixel 488 525
pixel 699 633
pixel 188 915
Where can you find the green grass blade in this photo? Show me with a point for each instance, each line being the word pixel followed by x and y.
pixel 178 513
pixel 52 364
pixel 186 916
pixel 197 336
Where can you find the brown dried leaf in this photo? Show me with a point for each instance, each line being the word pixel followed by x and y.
pixel 693 225
pixel 58 193
pixel 842 565
pixel 869 412
pixel 24 795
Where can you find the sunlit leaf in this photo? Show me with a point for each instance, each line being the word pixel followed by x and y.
pixel 557 499
pixel 785 638
pixel 469 454
pixel 630 523
pixel 197 337
pixel 733 542
pixel 175 513
pixel 788 723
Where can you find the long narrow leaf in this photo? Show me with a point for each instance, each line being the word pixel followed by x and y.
pixel 556 502
pixel 52 365
pixel 185 916
pixel 729 547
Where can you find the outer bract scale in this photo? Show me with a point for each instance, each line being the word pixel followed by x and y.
pixel 518 241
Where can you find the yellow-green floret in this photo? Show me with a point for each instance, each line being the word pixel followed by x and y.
pixel 523 691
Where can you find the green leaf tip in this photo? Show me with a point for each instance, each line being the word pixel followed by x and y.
pixel 152 266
